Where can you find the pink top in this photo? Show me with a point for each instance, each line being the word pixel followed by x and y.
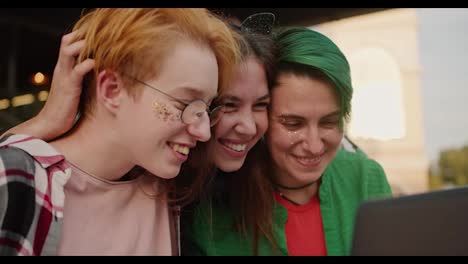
pixel 113 218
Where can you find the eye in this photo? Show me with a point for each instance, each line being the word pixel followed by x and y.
pixel 262 106
pixel 180 106
pixel 291 124
pixel 330 123
pixel 229 107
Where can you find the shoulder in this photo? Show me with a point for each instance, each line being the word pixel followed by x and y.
pixel 25 159
pixel 15 160
pixel 30 163
pixel 17 190
pixel 359 171
pixel 29 147
pixel 17 175
pixel 354 162
pixel 16 164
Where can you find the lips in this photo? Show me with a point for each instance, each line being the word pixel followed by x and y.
pixel 179 148
pixel 309 161
pixel 236 149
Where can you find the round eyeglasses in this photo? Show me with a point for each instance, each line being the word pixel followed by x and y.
pixel 194 111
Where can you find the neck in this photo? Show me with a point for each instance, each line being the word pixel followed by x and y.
pixel 295 187
pixel 94 152
pixel 297 193
pixel 299 196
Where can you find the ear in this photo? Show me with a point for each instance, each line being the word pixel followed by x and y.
pixel 109 90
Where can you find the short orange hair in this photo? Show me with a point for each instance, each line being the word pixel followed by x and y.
pixel 135 40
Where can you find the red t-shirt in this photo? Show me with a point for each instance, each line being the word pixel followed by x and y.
pixel 304 228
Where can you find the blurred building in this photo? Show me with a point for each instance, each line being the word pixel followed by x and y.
pixel 387 121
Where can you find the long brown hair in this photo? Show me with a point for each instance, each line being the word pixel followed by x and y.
pixel 251 197
pixel 247 193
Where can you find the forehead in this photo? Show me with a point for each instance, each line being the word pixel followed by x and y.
pixel 189 66
pixel 303 95
pixel 249 81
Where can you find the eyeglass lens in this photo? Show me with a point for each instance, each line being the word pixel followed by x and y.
pixel 196 110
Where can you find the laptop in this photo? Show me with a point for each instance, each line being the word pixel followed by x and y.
pixel 433 223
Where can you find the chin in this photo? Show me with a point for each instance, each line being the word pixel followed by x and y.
pixel 230 166
pixel 167 174
pixel 306 178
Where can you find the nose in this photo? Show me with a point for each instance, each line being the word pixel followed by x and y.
pixel 313 142
pixel 200 130
pixel 246 124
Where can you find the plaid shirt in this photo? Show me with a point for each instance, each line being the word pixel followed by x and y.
pixel 32 179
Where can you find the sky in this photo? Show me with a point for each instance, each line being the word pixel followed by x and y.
pixel 443 43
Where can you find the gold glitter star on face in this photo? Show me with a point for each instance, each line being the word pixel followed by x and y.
pixel 163 112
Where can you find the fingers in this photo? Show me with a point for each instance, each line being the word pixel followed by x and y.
pixel 68 54
pixel 80 70
pixel 74 48
pixel 68 38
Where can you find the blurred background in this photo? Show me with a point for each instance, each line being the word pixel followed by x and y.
pixel 408 70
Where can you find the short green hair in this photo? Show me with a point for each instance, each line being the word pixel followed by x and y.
pixel 306 47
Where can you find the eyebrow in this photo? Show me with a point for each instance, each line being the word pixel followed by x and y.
pixel 237 99
pixel 231 98
pixel 333 114
pixel 265 97
pixel 293 116
pixel 290 116
pixel 193 92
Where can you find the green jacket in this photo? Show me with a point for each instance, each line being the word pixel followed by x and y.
pixel 349 179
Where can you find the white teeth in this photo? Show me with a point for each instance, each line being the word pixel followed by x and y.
pixel 309 160
pixel 181 149
pixel 236 147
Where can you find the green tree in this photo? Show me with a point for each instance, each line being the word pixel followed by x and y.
pixel 453 166
pixel 435 179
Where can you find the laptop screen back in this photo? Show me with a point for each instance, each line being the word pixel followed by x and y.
pixel 434 223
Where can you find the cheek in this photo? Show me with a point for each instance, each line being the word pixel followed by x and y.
pixel 284 138
pixel 224 126
pixel 279 140
pixel 134 116
pixel 333 138
pixel 158 120
pixel 261 121
pixel 164 112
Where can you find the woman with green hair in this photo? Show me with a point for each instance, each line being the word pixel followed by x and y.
pixel 315 186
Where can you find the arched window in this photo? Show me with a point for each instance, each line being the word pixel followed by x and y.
pixel 377 104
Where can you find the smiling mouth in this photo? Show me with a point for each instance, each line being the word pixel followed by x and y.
pixel 235 147
pixel 310 161
pixel 184 150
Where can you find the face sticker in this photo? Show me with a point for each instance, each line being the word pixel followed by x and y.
pixel 164 113
pixel 293 136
